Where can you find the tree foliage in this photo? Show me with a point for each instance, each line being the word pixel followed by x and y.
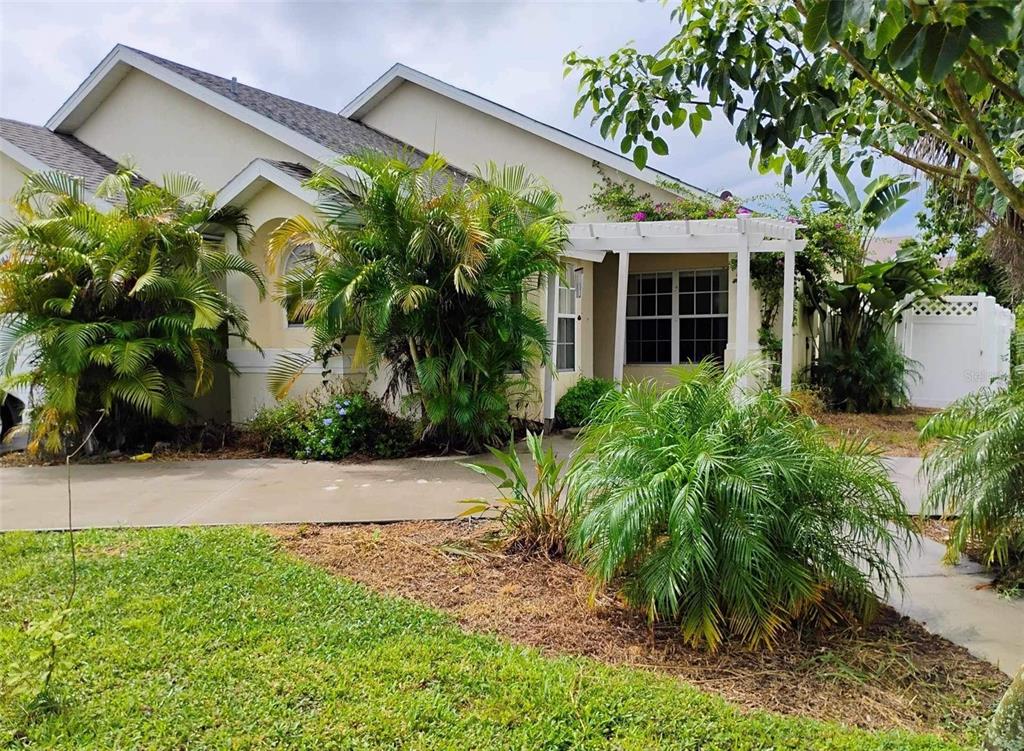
pixel 816 85
pixel 434 274
pixel 717 508
pixel 117 310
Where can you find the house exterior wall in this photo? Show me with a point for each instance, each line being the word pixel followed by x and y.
pixel 468 138
pixel 12 177
pixel 160 129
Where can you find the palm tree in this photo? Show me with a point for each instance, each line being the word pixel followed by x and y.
pixel 433 272
pixel 117 310
pixel 716 508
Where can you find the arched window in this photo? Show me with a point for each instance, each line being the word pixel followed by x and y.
pixel 301 256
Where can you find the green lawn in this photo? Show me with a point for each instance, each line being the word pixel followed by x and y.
pixel 214 639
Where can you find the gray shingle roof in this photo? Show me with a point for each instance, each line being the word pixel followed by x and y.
pixel 337 133
pixel 59 152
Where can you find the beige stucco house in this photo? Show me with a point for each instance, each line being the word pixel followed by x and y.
pixel 641 297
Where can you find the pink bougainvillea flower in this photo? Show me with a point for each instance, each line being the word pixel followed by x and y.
pixel 743 212
pixel 639 216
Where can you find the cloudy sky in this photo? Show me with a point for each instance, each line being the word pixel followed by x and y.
pixel 326 53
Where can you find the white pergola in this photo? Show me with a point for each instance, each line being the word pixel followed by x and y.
pixel 741 235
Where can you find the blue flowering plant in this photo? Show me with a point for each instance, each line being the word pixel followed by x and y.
pixel 352 424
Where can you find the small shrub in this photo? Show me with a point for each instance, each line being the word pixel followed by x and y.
pixel 274 428
pixel 575 407
pixel 535 517
pixel 718 509
pixel 332 426
pixel 348 424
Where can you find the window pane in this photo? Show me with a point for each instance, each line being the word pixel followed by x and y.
pixel 701 349
pixel 686 305
pixel 648 305
pixel 703 304
pixel 566 350
pixel 664 282
pixel 702 328
pixel 633 305
pixel 721 302
pixel 721 328
pixel 703 283
pixel 685 282
pixel 665 305
pixel 633 284
pixel 686 328
pixel 648 284
pixel 685 350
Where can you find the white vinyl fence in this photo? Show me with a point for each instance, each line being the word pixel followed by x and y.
pixel 960 343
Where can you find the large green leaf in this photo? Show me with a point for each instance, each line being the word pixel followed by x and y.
pixel 943 46
pixel 816 33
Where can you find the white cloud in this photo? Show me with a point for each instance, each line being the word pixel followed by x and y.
pixel 326 53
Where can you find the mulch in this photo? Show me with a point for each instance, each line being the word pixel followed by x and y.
pixel 891 674
pixel 895 433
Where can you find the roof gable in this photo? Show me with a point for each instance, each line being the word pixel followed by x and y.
pixel 319 134
pixel 398 74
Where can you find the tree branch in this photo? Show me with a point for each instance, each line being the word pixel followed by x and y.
pixel 986 156
pixel 982 67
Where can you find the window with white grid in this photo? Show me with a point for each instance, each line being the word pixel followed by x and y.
pixel 703 315
pixel 676 317
pixel 649 317
pixel 565 349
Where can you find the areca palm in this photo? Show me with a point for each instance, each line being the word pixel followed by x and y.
pixel 433 273
pixel 118 309
pixel 720 510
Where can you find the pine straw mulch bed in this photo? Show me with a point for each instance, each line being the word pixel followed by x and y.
pixel 894 434
pixel 893 674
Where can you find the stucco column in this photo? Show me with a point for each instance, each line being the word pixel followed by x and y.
pixel 619 354
pixel 551 319
pixel 789 271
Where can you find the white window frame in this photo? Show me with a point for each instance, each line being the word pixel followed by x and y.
pixel 568 284
pixel 675 316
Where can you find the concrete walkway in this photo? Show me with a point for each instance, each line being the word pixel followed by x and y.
pixel 951 600
pixel 236 491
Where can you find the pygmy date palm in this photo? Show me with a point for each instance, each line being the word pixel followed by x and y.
pixel 718 509
pixel 115 308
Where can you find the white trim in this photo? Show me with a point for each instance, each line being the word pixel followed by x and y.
pixel 567 269
pixel 257 174
pixel 116 65
pixel 551 320
pixel 252 361
pixel 594 256
pixel 33 164
pixel 398 73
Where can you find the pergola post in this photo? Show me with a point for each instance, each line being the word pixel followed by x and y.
pixel 619 354
pixel 742 348
pixel 789 271
pixel 551 319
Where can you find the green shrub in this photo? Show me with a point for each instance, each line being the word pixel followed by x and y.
pixel 274 428
pixel 333 427
pixel 348 424
pixel 577 404
pixel 976 474
pixel 718 508
pixel 534 516
pixel 873 377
